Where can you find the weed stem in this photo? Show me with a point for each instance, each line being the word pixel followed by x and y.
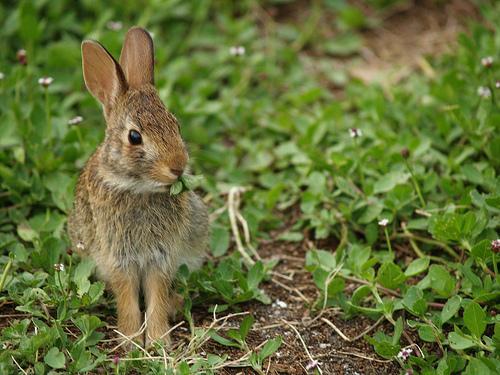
pixel 449 250
pixel 388 242
pixel 5 273
pixel 415 184
pixel 47 107
pixel 495 267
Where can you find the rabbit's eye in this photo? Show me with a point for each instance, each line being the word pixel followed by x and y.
pixel 134 137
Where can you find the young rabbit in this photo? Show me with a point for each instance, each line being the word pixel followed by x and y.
pixel 124 217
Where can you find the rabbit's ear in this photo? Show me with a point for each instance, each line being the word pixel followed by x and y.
pixel 137 57
pixel 102 74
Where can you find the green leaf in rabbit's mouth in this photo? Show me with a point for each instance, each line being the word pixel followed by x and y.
pixel 185 183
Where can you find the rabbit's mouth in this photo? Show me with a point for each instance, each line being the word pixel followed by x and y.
pixel 155 185
pixel 167 176
pixel 136 186
pixel 158 187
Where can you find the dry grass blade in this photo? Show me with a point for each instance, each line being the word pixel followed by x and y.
pixel 303 344
pixel 130 339
pixel 341 334
pixel 359 355
pixel 233 203
pixel 17 364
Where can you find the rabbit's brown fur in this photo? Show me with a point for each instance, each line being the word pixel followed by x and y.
pixel 123 216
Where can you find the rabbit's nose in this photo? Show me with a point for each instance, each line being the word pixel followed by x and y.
pixel 177 172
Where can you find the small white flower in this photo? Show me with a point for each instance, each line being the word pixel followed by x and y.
pixel 312 365
pixel 383 222
pixel 114 25
pixel 21 56
pixel 487 61
pixel 237 51
pixel 2 76
pixel 404 353
pixel 59 267
pixel 495 245
pixel 355 132
pixel 75 120
pixel 484 92
pixel 45 81
pixel 497 84
pixel 80 246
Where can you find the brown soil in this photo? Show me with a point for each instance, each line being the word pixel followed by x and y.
pixel 403 37
pixel 411 33
pixel 335 355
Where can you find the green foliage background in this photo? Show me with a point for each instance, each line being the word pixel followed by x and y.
pixel 264 122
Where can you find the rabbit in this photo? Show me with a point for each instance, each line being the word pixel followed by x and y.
pixel 123 215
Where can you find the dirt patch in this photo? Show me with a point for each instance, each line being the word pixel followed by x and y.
pixel 8 313
pixel 410 33
pixel 402 37
pixel 291 302
pixel 292 296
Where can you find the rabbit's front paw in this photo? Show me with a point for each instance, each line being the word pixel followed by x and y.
pixel 157 335
pixel 126 290
pixel 160 303
pixel 130 328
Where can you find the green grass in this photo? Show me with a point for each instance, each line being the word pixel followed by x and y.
pixel 427 161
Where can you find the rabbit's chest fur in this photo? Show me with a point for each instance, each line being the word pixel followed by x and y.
pixel 137 231
pixel 144 230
